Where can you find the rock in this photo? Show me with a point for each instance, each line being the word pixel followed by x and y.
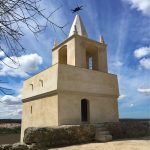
pixel 37 147
pixel 57 136
pixel 5 147
pixel 19 146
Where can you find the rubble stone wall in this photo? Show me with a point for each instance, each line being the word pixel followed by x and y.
pixel 129 128
pixel 47 137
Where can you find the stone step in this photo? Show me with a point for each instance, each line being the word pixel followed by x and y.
pixel 103 138
pixel 103 132
pixel 99 125
pixel 101 129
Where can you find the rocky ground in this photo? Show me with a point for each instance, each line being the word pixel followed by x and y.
pixel 126 144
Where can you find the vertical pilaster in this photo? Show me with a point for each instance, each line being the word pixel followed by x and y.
pixel 80 53
pixel 102 59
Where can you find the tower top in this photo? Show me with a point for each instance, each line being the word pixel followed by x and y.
pixel 102 39
pixel 78 27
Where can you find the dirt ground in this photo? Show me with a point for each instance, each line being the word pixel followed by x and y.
pixel 128 144
pixel 9 138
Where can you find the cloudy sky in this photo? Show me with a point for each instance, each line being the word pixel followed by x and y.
pixel 125 25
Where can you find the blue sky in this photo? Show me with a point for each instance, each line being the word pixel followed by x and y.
pixel 125 25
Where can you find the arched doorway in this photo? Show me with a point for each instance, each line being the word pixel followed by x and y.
pixel 84 110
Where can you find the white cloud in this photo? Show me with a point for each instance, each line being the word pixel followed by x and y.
pixel 2 54
pixel 140 5
pixel 11 100
pixel 129 80
pixel 122 96
pixel 16 112
pixel 145 62
pixel 117 63
pixel 141 52
pixel 28 64
pixel 131 105
pixel 144 90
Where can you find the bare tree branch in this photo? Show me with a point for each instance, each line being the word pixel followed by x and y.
pixel 15 15
pixel 5 91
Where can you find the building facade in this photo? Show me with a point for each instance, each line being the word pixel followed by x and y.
pixel 76 89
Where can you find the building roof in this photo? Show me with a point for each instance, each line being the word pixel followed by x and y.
pixel 78 27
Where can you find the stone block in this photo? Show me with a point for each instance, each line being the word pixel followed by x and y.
pixel 19 146
pixel 5 147
pixel 57 136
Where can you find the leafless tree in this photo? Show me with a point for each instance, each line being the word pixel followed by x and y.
pixel 5 91
pixel 14 14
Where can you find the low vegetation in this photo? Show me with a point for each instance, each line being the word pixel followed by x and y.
pixel 13 130
pixel 10 126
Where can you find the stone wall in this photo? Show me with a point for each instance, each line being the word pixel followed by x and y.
pixel 129 128
pixel 47 137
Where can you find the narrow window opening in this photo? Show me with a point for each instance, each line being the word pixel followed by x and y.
pixel 41 81
pixel 90 62
pixel 31 86
pixel 31 109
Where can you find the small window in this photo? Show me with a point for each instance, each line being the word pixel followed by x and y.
pixel 90 63
pixel 41 82
pixel 31 86
pixel 31 109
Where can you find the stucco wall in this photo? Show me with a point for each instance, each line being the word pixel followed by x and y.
pixel 101 109
pixel 76 79
pixel 77 47
pixel 44 113
pixel 49 79
pixel 80 53
pixel 101 89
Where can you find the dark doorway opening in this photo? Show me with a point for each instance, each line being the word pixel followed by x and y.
pixel 84 110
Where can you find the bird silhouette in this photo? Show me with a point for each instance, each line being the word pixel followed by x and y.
pixel 77 9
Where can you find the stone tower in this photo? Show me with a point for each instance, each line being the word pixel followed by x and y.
pixel 76 89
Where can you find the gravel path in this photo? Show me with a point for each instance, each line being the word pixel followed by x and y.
pixel 129 144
